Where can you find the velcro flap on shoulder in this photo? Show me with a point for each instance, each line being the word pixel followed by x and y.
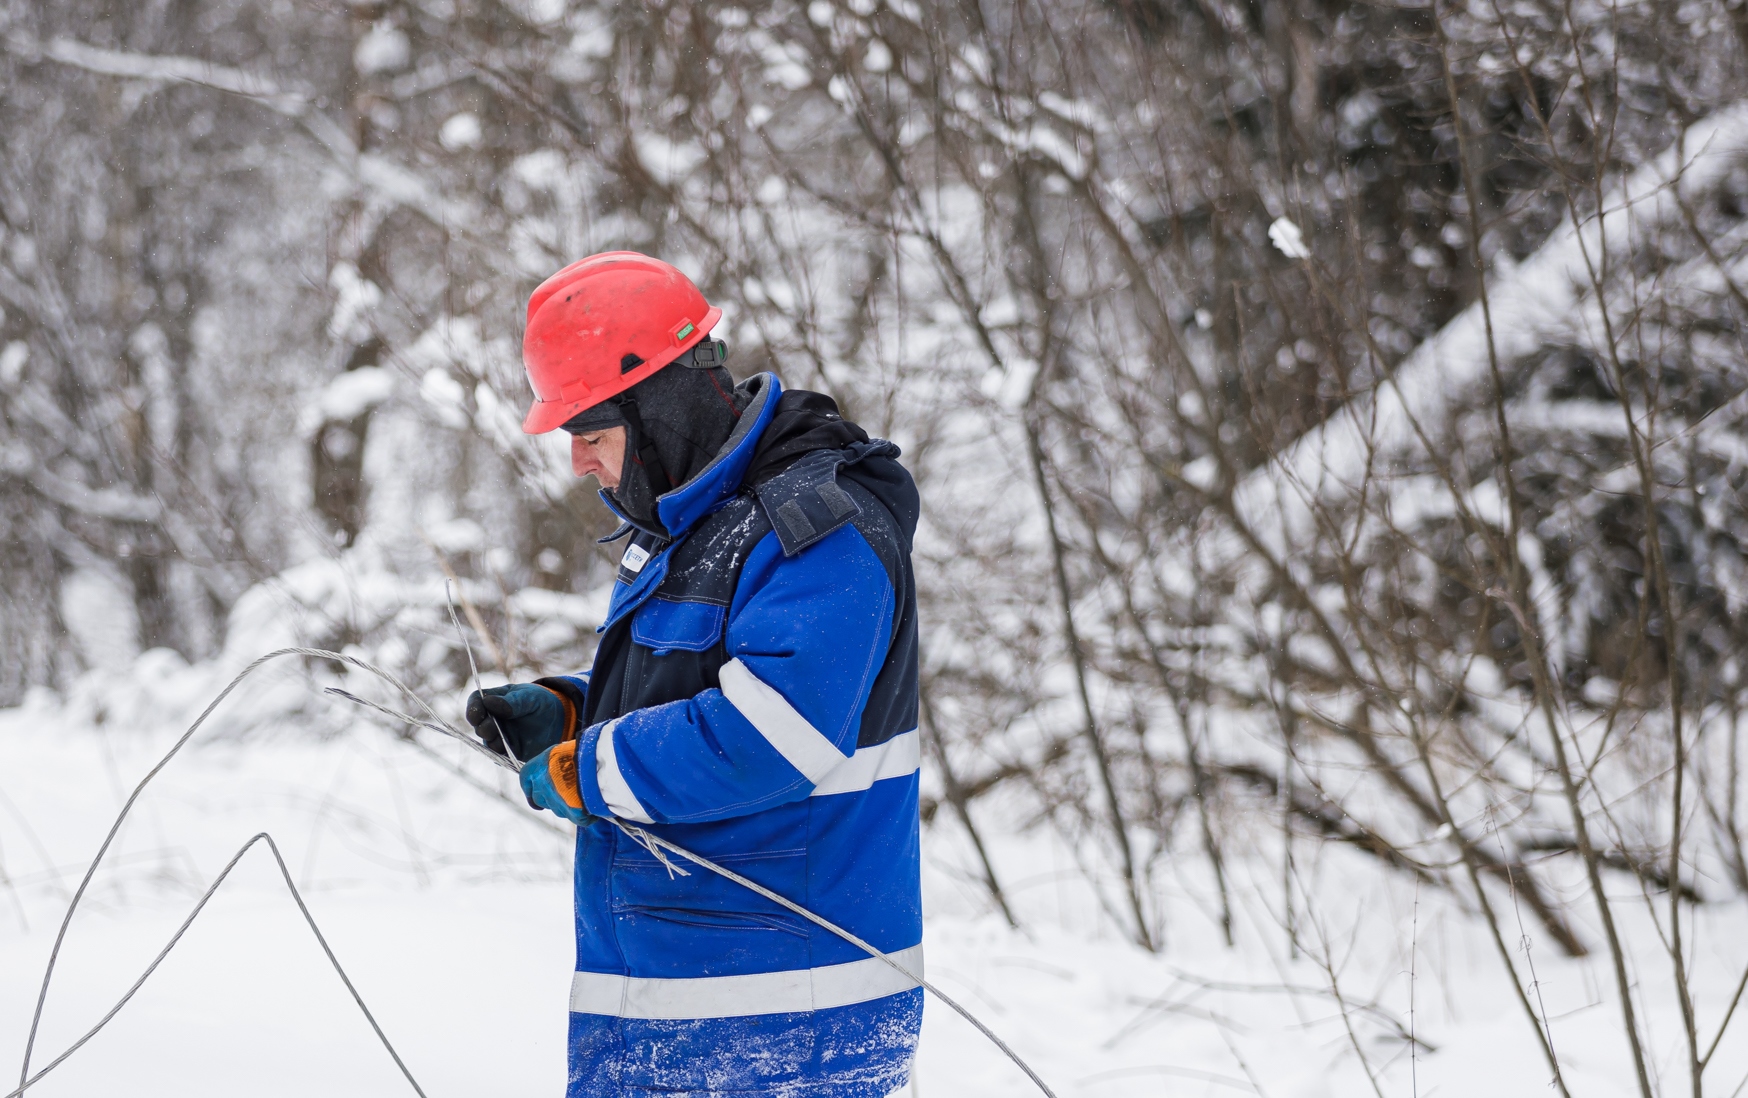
pixel 805 502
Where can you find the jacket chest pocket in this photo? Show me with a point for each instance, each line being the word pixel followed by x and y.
pixel 666 625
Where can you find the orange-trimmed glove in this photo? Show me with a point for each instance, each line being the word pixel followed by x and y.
pixel 549 781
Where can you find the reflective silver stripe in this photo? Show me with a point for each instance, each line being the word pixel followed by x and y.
pixel 788 731
pixel 739 996
pixel 896 758
pixel 621 801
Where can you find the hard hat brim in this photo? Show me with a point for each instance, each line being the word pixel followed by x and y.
pixel 549 415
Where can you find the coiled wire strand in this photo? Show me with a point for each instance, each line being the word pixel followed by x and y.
pixel 653 843
pixel 322 940
pixel 25 1079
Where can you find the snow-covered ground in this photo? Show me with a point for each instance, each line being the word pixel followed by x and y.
pixel 451 911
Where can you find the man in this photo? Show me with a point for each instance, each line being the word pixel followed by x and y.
pixel 753 699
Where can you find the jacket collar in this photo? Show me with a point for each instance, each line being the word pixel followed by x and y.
pixel 681 508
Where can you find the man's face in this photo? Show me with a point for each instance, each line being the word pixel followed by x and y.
pixel 601 453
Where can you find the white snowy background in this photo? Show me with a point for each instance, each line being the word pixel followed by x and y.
pixel 450 909
pixel 1332 428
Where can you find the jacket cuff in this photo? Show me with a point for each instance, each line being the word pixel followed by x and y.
pixel 588 782
pixel 574 693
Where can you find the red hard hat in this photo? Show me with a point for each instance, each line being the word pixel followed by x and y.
pixel 602 325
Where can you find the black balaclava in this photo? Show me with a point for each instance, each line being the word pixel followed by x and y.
pixel 675 421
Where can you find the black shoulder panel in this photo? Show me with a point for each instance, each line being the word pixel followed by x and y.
pixel 804 502
pixel 706 566
pixel 880 531
pixel 672 647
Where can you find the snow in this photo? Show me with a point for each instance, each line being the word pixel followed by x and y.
pixel 1067 989
pixel 668 161
pixel 783 67
pixel 458 535
pixel 593 42
pixel 540 12
pixel 355 297
pixel 383 48
pixel 773 190
pixel 446 396
pixel 355 392
pixel 1288 239
pixel 1528 302
pixel 114 503
pixel 188 69
pixel 460 131
pixel 97 608
pixel 12 359
pixel 450 909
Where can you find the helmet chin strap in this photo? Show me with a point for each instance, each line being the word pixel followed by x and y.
pixel 646 448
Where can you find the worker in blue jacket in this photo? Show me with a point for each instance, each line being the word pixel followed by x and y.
pixel 753 699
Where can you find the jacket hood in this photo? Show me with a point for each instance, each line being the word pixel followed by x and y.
pixel 679 509
pixel 804 422
pixel 676 423
pixel 807 423
pixel 777 428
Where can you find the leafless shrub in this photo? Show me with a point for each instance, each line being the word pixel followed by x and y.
pixel 1329 416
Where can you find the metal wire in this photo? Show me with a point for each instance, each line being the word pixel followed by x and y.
pixel 655 844
pixel 321 939
pixel 24 1077
pixel 698 859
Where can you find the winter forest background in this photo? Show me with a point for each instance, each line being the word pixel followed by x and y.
pixel 1331 419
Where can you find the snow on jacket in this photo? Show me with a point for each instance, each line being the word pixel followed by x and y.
pixel 754 699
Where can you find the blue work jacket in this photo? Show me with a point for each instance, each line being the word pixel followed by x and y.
pixel 754 699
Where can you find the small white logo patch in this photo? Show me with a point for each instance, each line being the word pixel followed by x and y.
pixel 634 559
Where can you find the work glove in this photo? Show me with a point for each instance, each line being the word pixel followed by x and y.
pixel 549 781
pixel 522 717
